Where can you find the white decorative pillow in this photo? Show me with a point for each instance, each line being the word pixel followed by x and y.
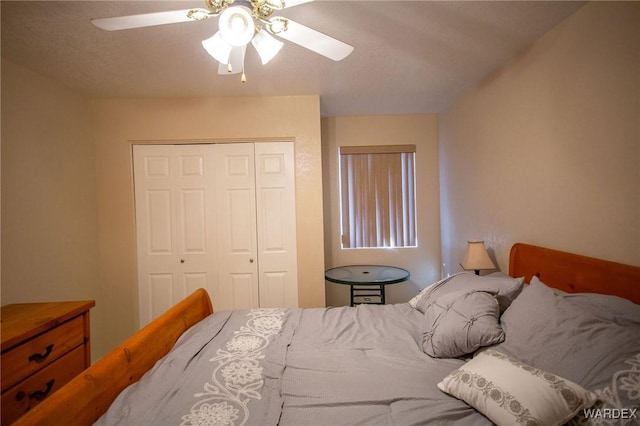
pixel 509 392
pixel 459 323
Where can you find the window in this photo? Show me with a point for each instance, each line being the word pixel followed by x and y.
pixel 377 186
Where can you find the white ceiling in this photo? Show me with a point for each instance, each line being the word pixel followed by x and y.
pixel 409 57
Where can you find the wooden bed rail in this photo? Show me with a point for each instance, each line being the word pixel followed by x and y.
pixel 85 398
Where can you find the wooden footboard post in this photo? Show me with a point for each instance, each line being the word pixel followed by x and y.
pixel 85 398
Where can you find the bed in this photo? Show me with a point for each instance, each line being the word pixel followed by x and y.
pixel 466 350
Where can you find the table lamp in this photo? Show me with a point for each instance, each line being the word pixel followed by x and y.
pixel 477 258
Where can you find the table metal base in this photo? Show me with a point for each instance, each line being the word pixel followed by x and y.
pixel 361 294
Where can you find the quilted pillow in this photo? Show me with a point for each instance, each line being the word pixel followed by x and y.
pixel 459 323
pixel 509 392
pixel 505 287
pixel 415 299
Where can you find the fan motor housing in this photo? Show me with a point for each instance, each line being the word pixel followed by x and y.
pixel 260 9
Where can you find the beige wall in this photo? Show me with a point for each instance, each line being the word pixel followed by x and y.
pixel 119 123
pixel 423 262
pixel 68 228
pixel 547 151
pixel 49 204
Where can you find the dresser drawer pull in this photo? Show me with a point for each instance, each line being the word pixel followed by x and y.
pixel 41 394
pixel 39 357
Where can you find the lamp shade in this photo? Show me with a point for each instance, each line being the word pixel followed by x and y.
pixel 477 258
pixel 236 25
pixel 218 48
pixel 266 46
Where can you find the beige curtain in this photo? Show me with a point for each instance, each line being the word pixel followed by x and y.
pixel 378 196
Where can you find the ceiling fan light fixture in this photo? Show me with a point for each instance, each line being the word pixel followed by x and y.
pixel 237 26
pixel 217 6
pixel 278 25
pixel 240 22
pixel 266 46
pixel 275 4
pixel 217 47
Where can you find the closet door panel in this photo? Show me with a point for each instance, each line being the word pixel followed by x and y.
pixel 158 230
pixel 239 217
pixel 273 205
pixel 275 188
pixel 176 230
pixel 193 281
pixel 194 231
pixel 240 293
pixel 273 288
pixel 160 288
pixel 236 213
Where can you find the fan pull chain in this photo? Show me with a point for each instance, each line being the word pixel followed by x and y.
pixel 243 79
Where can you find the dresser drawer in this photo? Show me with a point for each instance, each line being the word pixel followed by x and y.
pixel 26 395
pixel 34 354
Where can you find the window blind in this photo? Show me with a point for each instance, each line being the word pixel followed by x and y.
pixel 378 196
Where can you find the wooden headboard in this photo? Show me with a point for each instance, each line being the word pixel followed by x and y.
pixel 574 273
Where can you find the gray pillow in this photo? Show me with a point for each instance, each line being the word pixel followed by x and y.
pixel 459 323
pixel 548 331
pixel 615 309
pixel 505 288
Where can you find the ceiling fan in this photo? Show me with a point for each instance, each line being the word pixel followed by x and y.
pixel 240 22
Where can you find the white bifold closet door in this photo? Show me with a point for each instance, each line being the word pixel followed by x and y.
pixel 216 216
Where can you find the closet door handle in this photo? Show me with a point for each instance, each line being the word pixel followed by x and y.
pixel 251 260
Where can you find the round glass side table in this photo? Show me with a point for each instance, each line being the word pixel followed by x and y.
pixel 367 282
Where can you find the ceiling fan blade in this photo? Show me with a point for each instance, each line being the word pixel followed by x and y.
pixel 312 40
pixel 151 19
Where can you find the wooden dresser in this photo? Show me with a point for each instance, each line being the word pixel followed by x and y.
pixel 44 345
